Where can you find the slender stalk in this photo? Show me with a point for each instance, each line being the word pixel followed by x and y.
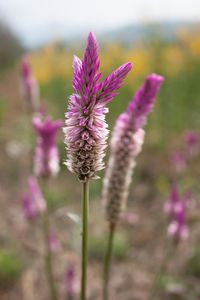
pixel 107 262
pixel 85 215
pixel 48 256
pixel 170 249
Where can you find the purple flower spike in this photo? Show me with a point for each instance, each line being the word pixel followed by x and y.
pixel 126 144
pixel 30 88
pixel 46 154
pixel 178 229
pixel 86 129
pixel 112 83
pixel 175 207
pixel 172 205
pixel 33 201
pixel 144 99
pixel 71 283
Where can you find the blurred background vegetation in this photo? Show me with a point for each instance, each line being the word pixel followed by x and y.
pixel 175 56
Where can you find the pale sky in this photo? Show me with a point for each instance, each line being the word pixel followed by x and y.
pixel 33 19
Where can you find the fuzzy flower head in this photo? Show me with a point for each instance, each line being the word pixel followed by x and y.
pixel 29 85
pixel 33 201
pixel 46 162
pixel 126 144
pixel 85 127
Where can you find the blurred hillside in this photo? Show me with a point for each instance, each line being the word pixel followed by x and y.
pixel 166 31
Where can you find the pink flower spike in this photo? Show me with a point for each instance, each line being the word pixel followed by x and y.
pixel 33 201
pixel 178 229
pixel 112 82
pixel 85 129
pixel 170 206
pixel 176 208
pixel 46 162
pixel 126 144
pixel 71 282
pixel 29 85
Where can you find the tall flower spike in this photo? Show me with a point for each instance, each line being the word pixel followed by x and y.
pixel 172 203
pixel 29 85
pixel 85 127
pixel 46 154
pixel 126 143
pixel 71 282
pixel 175 207
pixel 178 228
pixel 33 201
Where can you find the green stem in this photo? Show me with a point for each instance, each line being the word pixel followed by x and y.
pixel 170 249
pixel 85 216
pixel 107 262
pixel 48 256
